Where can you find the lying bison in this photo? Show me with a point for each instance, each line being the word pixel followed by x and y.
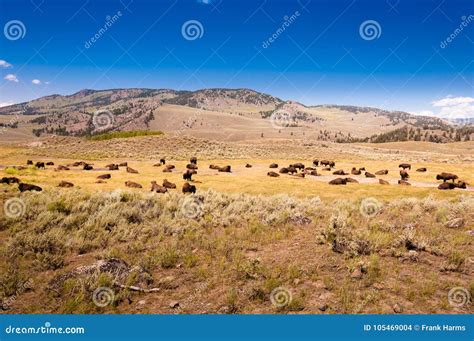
pixel 314 173
pixel 87 167
pixel 273 174
pixel 131 170
pixel 369 175
pixel 382 172
pixel 123 164
pixel 405 166
pixel 132 184
pixel 225 169
pixel 188 188
pixel 352 180
pixel 273 165
pixel 157 188
pixel 215 167
pixel 283 170
pixel 248 165
pixel 339 172
pixel 50 163
pixel 9 180
pixel 168 184
pixel 104 176
pixel 383 182
pixel 61 167
pixel 446 176
pixel 338 181
pixel 355 171
pixel 422 169
pixel 112 167
pixel 404 183
pixel 27 187
pixel 446 185
pixel 191 166
pixel 66 184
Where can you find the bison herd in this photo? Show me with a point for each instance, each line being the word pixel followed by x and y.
pixel 295 169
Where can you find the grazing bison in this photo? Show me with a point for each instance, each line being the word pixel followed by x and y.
pixel 225 169
pixel 355 171
pixel 131 170
pixel 27 187
pixel 50 163
pixel 405 166
pixel 273 174
pixel 422 169
pixel 446 185
pixel 339 172
pixel 157 188
pixel 188 188
pixel 123 164
pixel 383 182
pixel 191 166
pixel 104 176
pixel 66 184
pixel 29 162
pixel 9 180
pixel 61 167
pixel 382 172
pixel 369 175
pixel 112 167
pixel 404 174
pixel 87 167
pixel 446 176
pixel 39 165
pixel 273 165
pixel 298 165
pixel 328 163
pixel 292 170
pixel 352 180
pixel 168 184
pixel 404 183
pixel 162 161
pixel 338 181
pixel 316 162
pixel 283 170
pixel 188 174
pixel 194 160
pixel 132 184
pixel 248 165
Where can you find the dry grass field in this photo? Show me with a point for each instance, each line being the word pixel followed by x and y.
pixel 245 242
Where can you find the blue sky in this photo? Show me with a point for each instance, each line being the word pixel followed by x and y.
pixel 313 51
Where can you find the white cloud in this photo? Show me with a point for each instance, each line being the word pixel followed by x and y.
pixel 11 77
pixel 423 113
pixel 452 101
pixel 6 104
pixel 36 81
pixel 5 64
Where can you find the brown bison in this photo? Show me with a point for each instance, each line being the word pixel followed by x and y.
pixel 292 170
pixel 50 163
pixel 383 182
pixel 225 169
pixel 104 176
pixel 273 165
pixel 191 166
pixel 404 174
pixel 352 180
pixel 326 169
pixel 446 185
pixel 382 172
pixel 301 175
pixel 132 184
pixel 188 188
pixel 404 183
pixel 446 176
pixel 187 175
pixel 215 167
pixel 168 184
pixel 66 184
pixel 167 170
pixel 461 184
pixel 298 165
pixel 355 171
pixel 9 180
pixel 87 167
pixel 405 166
pixel 316 162
pixel 39 165
pixel 422 169
pixel 162 161
pixel 328 163
pixel 157 188
pixel 27 187
pixel 61 167
pixel 369 175
pixel 314 172
pixel 29 162
pixel 338 181
pixel 194 160
pixel 112 167
pixel 273 174
pixel 339 172
pixel 248 165
pixel 131 170
pixel 170 167
pixel 283 170
pixel 123 164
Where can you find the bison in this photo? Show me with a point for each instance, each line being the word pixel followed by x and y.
pixel 422 169
pixel 104 176
pixel 338 181
pixel 66 184
pixel 339 172
pixel 273 174
pixel 369 175
pixel 87 167
pixel 283 170
pixel 123 164
pixel 328 163
pixel 162 161
pixel 131 170
pixel 248 165
pixel 352 180
pixel 191 166
pixel 61 167
pixel 39 165
pixel 215 167
pixel 355 171
pixel 301 175
pixel 112 167
pixel 383 182
pixel 188 174
pixel 132 184
pixel 404 174
pixel 405 166
pixel 188 188
pixel 316 162
pixel 157 188
pixel 168 184
pixel 446 176
pixel 50 163
pixel 225 169
pixel 298 165
pixel 404 183
pixel 9 180
pixel 292 170
pixel 28 187
pixel 273 165
pixel 314 173
pixel 194 160
pixel 446 185
pixel 382 172
pixel 29 162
